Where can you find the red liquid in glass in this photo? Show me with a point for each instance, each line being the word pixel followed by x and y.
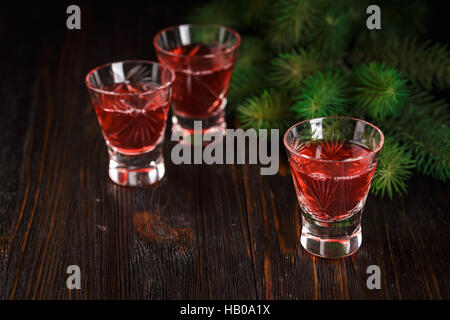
pixel 331 190
pixel 132 124
pixel 201 83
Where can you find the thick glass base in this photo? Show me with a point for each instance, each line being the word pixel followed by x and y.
pixel 136 170
pixel 335 239
pixel 188 128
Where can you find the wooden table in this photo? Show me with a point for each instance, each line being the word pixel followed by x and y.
pixel 205 232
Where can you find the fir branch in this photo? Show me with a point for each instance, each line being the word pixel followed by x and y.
pixel 424 62
pixel 321 95
pixel 290 69
pixel 357 11
pixel 246 82
pixel 424 130
pixel 249 74
pixel 220 12
pixel 321 29
pixel 331 33
pixel 379 90
pixel 256 12
pixel 269 110
pixel 252 51
pixel 393 169
pixel 291 19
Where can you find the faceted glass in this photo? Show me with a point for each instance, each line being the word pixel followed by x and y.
pixel 332 161
pixel 202 57
pixel 131 100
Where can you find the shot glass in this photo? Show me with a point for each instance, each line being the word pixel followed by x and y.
pixel 202 57
pixel 131 100
pixel 332 162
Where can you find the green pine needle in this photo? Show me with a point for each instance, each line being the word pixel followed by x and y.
pixel 249 74
pixel 331 34
pixel 255 12
pixel 321 95
pixel 269 110
pixel 290 69
pixel 379 90
pixel 220 12
pixel 312 36
pixel 425 62
pixel 357 11
pixel 246 82
pixel 291 19
pixel 252 51
pixel 393 169
pixel 424 129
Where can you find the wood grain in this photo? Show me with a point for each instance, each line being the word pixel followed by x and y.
pixel 204 232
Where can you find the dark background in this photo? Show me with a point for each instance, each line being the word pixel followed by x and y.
pixel 206 231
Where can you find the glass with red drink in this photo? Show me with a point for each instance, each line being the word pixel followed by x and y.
pixel 131 100
pixel 202 57
pixel 332 162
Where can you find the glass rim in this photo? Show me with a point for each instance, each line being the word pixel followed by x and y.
pixel 148 62
pixel 377 149
pixel 208 55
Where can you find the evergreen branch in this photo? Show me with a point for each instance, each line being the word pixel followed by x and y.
pixel 331 33
pixel 255 12
pixel 357 11
pixel 379 90
pixel 291 19
pixel 270 110
pixel 321 95
pixel 220 12
pixel 393 169
pixel 290 69
pixel 323 29
pixel 425 62
pixel 424 130
pixel 246 82
pixel 252 51
pixel 249 74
